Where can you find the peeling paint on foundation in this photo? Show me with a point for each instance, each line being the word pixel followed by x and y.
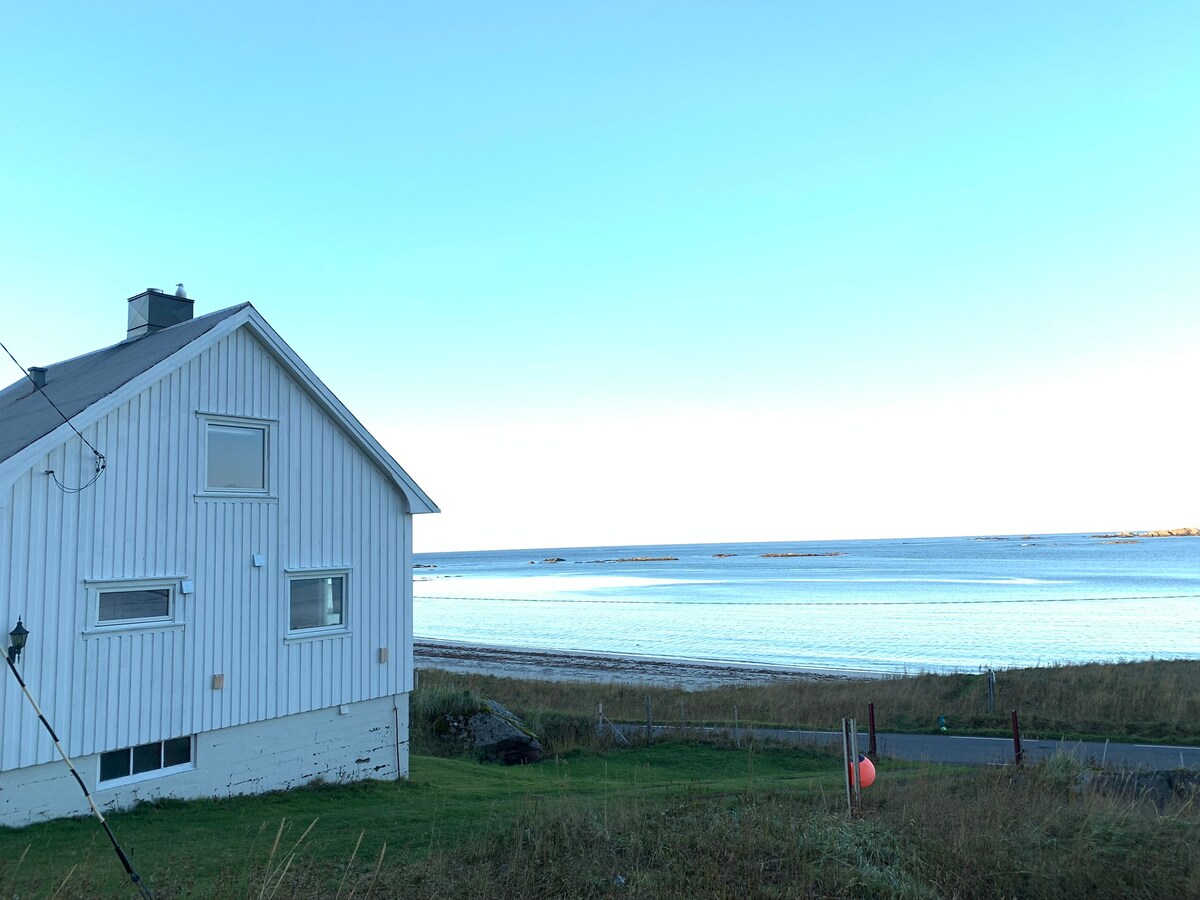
pixel 277 754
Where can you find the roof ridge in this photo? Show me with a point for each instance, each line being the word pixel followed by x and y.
pixel 223 313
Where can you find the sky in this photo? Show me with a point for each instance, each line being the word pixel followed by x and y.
pixel 626 273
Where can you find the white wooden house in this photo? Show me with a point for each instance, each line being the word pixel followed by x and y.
pixel 227 609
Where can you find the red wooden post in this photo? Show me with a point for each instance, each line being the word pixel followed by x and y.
pixel 1016 729
pixel 871 728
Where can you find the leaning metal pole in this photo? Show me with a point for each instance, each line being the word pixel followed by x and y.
pixel 133 875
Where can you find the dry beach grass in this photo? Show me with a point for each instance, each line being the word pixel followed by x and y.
pixel 1154 701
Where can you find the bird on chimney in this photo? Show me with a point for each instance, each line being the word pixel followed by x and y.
pixel 180 292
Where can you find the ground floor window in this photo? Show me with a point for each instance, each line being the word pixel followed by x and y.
pixel 159 756
pixel 133 603
pixel 145 605
pixel 316 602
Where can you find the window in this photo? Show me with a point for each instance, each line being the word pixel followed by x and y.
pixel 136 603
pixel 159 757
pixel 317 600
pixel 237 457
pixel 134 606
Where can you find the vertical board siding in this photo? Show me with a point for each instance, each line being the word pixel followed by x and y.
pixel 330 508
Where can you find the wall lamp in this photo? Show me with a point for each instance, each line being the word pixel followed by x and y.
pixel 16 640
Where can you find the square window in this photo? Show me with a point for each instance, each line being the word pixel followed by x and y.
pixel 147 758
pixel 134 605
pixel 316 602
pixel 237 457
pixel 177 751
pixel 114 764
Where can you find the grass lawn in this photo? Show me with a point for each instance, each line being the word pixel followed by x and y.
pixel 679 819
pixel 669 821
pixel 224 846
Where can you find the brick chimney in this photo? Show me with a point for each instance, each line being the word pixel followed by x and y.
pixel 153 310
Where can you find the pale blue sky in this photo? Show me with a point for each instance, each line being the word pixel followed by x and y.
pixel 634 272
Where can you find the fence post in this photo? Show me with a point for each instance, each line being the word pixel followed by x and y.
pixel 991 689
pixel 682 717
pixel 737 735
pixel 649 722
pixel 854 762
pixel 871 749
pixel 846 765
pixel 1018 753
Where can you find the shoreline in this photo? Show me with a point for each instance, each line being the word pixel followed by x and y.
pixel 561 665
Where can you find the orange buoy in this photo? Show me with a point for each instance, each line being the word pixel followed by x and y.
pixel 866 771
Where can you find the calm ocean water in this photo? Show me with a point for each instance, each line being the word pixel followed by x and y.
pixel 892 605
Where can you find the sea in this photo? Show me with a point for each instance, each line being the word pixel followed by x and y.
pixel 879 606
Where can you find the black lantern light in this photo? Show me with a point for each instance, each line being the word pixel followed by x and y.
pixel 16 640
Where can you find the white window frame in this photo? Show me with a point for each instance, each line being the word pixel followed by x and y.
pixel 153 773
pixel 172 619
pixel 321 631
pixel 268 428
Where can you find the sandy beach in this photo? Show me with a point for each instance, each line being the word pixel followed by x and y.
pixel 526 662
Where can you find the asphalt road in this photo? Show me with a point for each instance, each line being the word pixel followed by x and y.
pixel 981 751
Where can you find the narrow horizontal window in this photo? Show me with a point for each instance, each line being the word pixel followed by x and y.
pixel 142 605
pixel 316 602
pixel 135 604
pixel 144 759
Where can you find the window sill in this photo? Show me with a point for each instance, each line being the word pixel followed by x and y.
pixel 96 631
pixel 316 634
pixel 143 776
pixel 236 495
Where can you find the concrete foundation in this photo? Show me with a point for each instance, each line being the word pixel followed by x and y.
pixel 339 744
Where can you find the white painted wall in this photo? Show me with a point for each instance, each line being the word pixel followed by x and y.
pixel 331 507
pixel 322 745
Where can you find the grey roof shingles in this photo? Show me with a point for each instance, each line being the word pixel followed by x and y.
pixel 75 384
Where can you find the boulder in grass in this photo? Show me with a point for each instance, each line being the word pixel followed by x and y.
pixel 495 733
pixel 1174 786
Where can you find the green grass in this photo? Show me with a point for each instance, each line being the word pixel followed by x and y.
pixel 1144 702
pixel 222 846
pixel 677 819
pixel 977 834
pixel 673 820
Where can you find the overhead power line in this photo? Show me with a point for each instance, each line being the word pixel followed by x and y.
pixel 101 462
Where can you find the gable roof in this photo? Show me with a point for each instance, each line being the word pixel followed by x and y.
pixel 75 384
pixel 88 387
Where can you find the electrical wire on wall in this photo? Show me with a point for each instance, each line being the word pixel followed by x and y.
pixel 101 462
